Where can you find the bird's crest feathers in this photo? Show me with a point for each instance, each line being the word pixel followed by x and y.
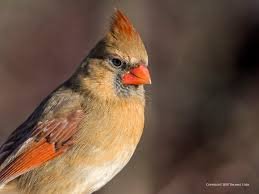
pixel 122 27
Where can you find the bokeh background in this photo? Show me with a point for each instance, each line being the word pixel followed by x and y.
pixel 202 121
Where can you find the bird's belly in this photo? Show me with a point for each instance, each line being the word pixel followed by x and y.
pixel 93 177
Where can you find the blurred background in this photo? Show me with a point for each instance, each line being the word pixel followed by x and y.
pixel 202 116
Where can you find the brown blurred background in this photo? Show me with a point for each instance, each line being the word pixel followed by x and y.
pixel 202 116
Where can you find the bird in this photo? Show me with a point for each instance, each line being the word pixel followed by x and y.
pixel 85 131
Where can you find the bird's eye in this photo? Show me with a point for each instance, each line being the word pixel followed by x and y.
pixel 117 62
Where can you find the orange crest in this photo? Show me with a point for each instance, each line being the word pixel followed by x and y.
pixel 121 26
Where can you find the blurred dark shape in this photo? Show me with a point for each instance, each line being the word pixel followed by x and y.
pixel 247 63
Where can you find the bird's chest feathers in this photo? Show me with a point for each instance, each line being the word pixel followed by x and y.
pixel 112 126
pixel 107 142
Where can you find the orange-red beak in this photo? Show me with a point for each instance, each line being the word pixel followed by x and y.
pixel 137 76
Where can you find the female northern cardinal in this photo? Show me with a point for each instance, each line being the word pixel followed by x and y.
pixel 85 131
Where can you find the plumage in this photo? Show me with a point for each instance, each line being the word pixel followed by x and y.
pixel 87 129
pixel 122 27
pixel 48 140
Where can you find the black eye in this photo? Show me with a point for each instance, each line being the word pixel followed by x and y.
pixel 117 62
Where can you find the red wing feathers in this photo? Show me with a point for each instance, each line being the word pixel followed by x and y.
pixel 51 139
pixel 39 153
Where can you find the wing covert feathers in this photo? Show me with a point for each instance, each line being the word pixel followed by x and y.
pixel 51 139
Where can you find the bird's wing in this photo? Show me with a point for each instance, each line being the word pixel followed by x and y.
pixel 30 146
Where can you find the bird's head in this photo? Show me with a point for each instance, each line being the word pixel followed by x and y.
pixel 118 65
